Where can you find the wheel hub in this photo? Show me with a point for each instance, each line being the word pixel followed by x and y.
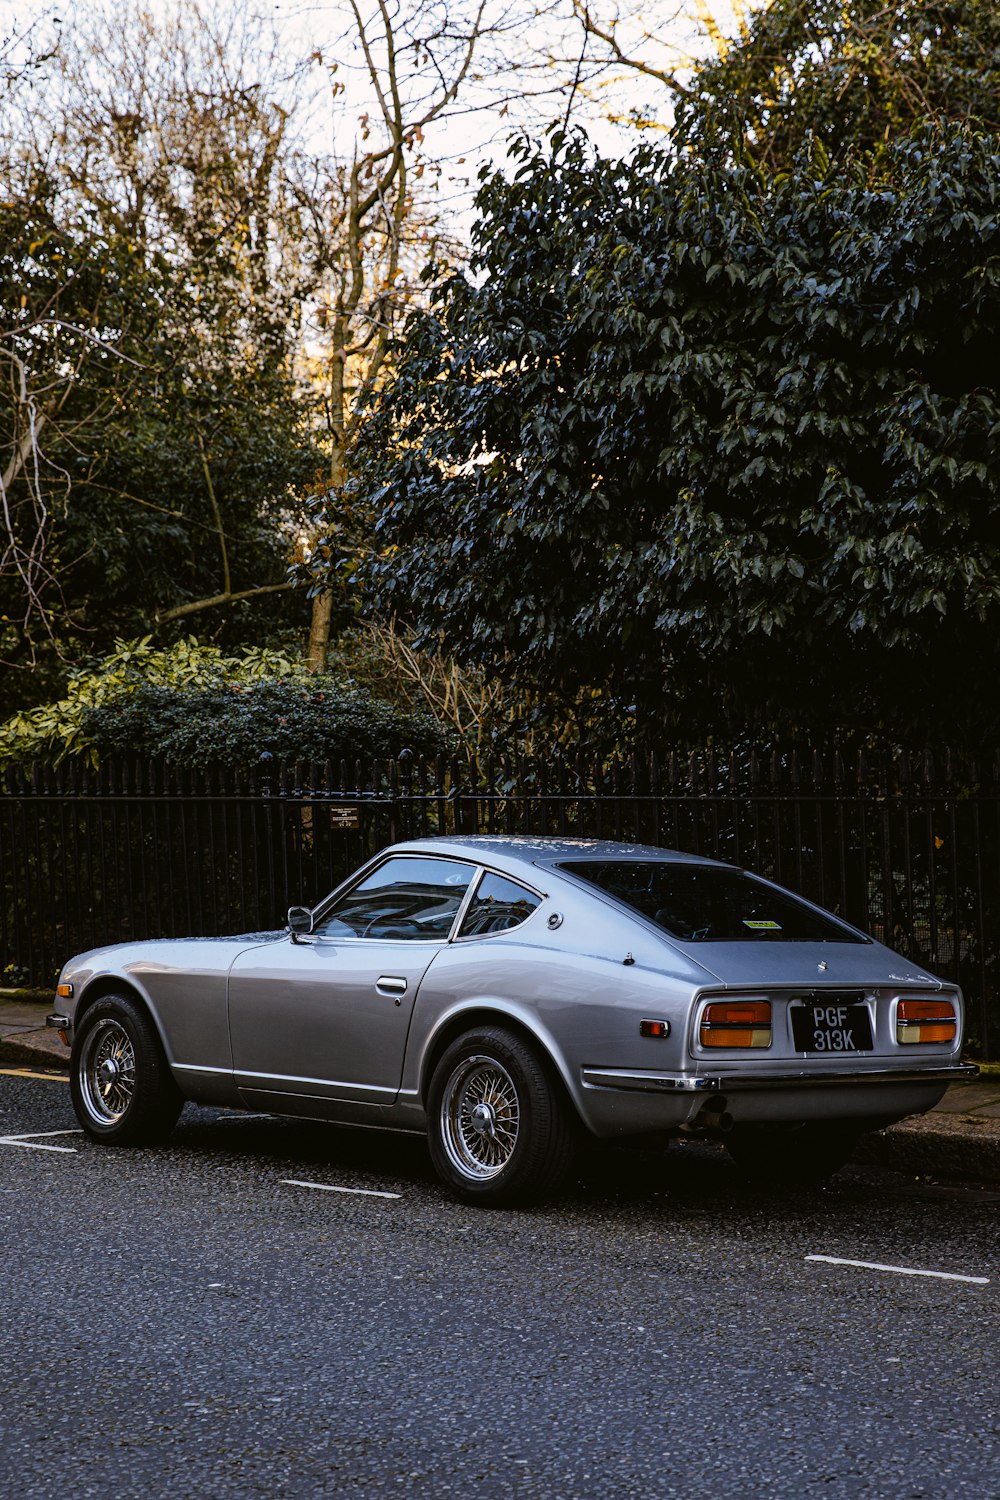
pixel 483 1119
pixel 109 1072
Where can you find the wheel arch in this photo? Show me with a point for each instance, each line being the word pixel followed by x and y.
pixel 103 985
pixel 486 1015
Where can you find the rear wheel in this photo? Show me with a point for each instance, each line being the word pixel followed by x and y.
pixel 795 1155
pixel 497 1127
pixel 123 1091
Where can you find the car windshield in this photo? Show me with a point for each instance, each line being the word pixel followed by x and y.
pixel 710 904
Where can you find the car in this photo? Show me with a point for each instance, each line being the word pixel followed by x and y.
pixel 515 997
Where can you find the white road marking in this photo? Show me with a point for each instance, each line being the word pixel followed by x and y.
pixel 874 1265
pixel 325 1187
pixel 30 1141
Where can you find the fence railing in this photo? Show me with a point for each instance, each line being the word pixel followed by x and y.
pixel 908 848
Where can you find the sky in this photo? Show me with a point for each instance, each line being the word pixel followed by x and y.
pixel 533 44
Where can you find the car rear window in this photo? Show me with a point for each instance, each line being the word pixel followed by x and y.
pixel 707 904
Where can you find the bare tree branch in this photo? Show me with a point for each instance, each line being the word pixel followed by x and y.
pixel 195 606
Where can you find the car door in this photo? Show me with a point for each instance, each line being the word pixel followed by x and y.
pixel 324 1017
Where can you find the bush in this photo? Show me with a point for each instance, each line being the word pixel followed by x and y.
pixel 317 718
pixel 192 705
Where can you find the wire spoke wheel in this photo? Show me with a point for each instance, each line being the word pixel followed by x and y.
pixel 121 1085
pixel 496 1126
pixel 480 1118
pixel 107 1075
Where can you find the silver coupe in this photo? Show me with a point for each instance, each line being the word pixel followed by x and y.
pixel 515 997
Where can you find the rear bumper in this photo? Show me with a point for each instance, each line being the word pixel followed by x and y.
pixel 617 1101
pixel 727 1083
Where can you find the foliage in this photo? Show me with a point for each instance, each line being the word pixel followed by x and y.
pixel 854 75
pixel 315 718
pixel 193 705
pixel 467 702
pixel 719 444
pixel 155 434
pixel 225 284
pixel 55 730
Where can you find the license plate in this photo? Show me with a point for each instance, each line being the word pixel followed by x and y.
pixel 831 1026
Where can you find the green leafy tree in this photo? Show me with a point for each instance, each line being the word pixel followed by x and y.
pixel 718 445
pixel 854 74
pixel 156 432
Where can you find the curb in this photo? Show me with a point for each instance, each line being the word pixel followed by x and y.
pixel 962 1148
pixel 44 1052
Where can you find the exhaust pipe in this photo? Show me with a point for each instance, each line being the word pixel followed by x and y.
pixel 712 1119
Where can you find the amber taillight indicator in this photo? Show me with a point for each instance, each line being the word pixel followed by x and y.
pixel 736 1023
pixel 925 1021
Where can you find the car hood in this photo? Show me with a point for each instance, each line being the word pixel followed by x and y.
pixel 761 963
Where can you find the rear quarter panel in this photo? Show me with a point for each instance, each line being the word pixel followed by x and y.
pixel 571 987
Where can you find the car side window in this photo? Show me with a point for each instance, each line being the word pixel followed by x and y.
pixel 410 897
pixel 497 906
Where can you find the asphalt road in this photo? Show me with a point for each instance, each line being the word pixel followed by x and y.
pixel 187 1322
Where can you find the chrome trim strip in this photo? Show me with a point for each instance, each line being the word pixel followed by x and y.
pixel 57 1022
pixel 657 1083
pixel 197 1068
pixel 668 1083
pixel 250 1080
pixel 466 902
pixel 323 940
pixel 813 1078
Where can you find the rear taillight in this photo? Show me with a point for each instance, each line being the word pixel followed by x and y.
pixel 736 1023
pixel 925 1021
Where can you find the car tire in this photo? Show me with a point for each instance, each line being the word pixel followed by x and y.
pixel 123 1091
pixel 795 1155
pixel 498 1129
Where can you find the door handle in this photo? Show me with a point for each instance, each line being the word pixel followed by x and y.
pixel 391 984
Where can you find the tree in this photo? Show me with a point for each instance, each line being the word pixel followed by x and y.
pixel 77 312
pixel 854 75
pixel 156 432
pixel 717 445
pixel 414 62
pixel 370 234
pixel 179 401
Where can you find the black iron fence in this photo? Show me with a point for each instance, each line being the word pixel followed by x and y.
pixel 906 847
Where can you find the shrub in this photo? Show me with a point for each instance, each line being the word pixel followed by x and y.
pixel 316 718
pixel 192 705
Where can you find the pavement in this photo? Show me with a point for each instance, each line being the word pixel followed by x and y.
pixel 959 1138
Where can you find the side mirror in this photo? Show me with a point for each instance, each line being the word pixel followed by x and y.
pixel 300 919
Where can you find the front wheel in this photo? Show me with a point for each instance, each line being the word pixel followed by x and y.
pixel 122 1088
pixel 497 1127
pixel 796 1155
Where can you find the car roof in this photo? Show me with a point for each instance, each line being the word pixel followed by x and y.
pixel 524 849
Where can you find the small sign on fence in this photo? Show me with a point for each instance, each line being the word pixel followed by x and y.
pixel 344 817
